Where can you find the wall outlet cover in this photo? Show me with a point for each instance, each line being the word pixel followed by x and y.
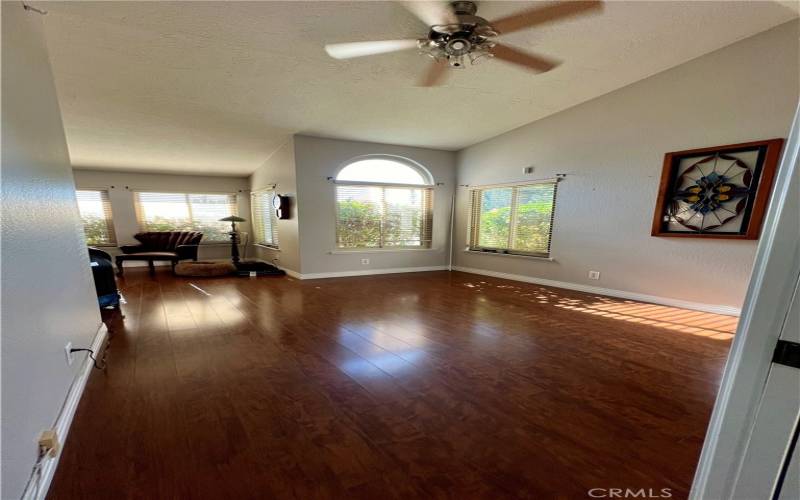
pixel 594 275
pixel 364 262
pixel 68 352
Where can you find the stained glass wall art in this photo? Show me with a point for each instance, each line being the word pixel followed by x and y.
pixel 717 192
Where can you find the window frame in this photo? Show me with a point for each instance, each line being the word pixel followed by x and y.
pixel 105 200
pixel 205 241
pixel 428 191
pixel 473 227
pixel 273 218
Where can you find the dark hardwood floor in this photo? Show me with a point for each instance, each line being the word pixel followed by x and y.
pixel 425 385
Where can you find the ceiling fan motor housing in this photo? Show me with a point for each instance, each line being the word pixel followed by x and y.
pixel 464 8
pixel 469 37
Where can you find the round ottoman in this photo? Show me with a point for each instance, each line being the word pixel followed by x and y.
pixel 204 268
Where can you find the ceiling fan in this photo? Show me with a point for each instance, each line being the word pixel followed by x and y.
pixel 458 35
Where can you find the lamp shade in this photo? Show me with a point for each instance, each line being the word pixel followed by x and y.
pixel 233 218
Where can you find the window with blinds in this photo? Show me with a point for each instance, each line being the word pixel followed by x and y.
pixel 157 211
pixel 515 219
pixel 383 203
pixel 383 217
pixel 265 222
pixel 95 210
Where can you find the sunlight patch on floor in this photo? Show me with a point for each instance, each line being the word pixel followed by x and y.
pixel 714 326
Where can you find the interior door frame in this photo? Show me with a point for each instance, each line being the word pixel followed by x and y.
pixel 768 298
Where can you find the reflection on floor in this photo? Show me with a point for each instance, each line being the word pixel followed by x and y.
pixel 422 385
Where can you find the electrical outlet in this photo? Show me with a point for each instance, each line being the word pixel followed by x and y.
pixel 527 170
pixel 594 275
pixel 49 443
pixel 364 262
pixel 68 352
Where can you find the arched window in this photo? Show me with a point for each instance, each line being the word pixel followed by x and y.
pixel 383 202
pixel 383 171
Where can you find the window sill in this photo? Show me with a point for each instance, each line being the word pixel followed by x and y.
pixel 497 254
pixel 381 250
pixel 267 247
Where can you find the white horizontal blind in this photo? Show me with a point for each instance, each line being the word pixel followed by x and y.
pixel 95 210
pixel 265 222
pixel 513 219
pixel 186 212
pixel 378 216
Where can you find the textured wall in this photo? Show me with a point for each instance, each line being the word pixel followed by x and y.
pixel 317 159
pixel 47 289
pixel 279 169
pixel 124 214
pixel 612 149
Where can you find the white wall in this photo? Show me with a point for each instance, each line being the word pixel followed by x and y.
pixel 316 160
pixel 47 289
pixel 612 150
pixel 120 186
pixel 279 170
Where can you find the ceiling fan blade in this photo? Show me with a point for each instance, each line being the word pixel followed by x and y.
pixel 432 12
pixel 536 63
pixel 435 74
pixel 359 49
pixel 545 14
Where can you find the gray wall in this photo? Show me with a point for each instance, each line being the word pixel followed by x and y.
pixel 612 149
pixel 48 295
pixel 124 214
pixel 316 160
pixel 279 169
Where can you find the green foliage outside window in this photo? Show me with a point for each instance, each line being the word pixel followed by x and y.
pixel 211 231
pixel 533 226
pixel 363 224
pixel 96 230
pixel 359 224
pixel 531 221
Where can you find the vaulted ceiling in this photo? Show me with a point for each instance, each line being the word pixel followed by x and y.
pixel 216 87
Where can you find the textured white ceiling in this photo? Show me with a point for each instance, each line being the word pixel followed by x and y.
pixel 215 87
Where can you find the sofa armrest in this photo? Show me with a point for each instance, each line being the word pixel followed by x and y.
pixel 132 248
pixel 187 252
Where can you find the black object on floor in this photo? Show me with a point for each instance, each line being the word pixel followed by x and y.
pixel 259 267
pixel 104 282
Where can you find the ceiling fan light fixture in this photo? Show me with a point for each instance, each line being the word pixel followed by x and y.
pixel 478 56
pixel 456 62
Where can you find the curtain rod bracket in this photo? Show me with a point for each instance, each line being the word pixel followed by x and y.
pixel 33 9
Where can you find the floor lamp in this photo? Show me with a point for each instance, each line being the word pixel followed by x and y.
pixel 233 219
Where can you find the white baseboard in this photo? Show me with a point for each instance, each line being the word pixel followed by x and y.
pixel 370 272
pixel 64 419
pixel 291 272
pixel 665 301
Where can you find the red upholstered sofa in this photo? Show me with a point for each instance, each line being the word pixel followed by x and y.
pixel 172 246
